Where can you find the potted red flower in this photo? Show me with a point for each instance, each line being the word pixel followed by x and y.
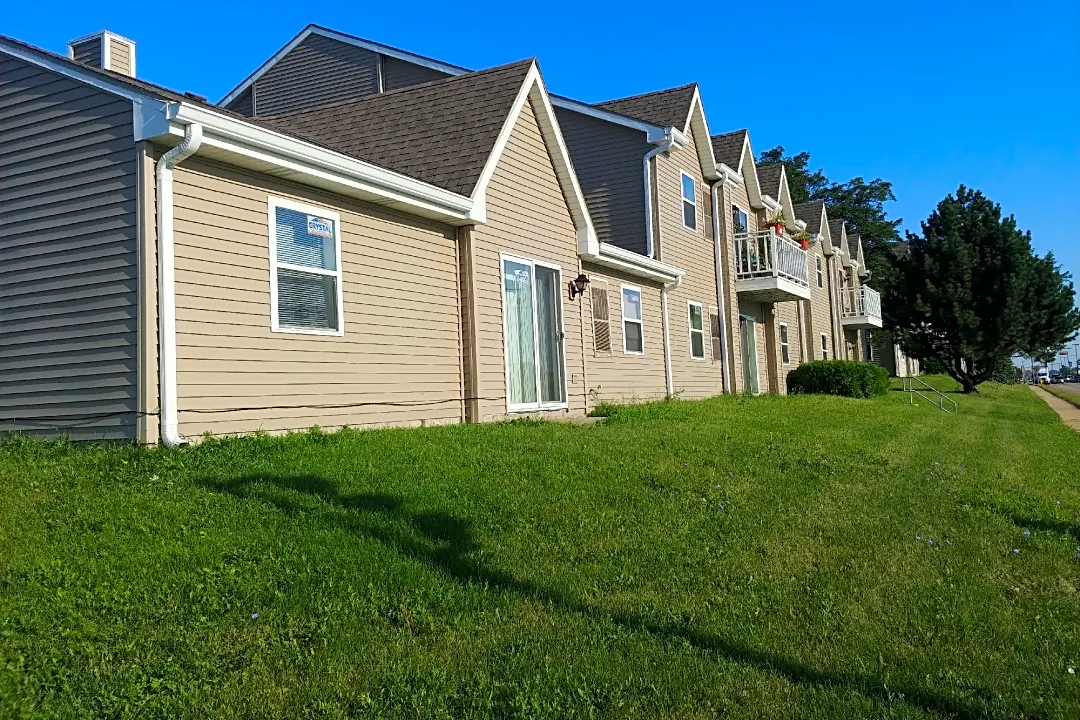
pixel 778 223
pixel 803 238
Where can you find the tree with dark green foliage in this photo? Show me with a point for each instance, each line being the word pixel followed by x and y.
pixel 970 291
pixel 860 202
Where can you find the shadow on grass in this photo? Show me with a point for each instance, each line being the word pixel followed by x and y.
pixel 445 543
pixel 1025 522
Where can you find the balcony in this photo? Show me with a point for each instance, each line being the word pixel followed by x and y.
pixel 861 309
pixel 770 268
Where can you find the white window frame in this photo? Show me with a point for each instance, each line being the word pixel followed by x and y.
pixel 538 405
pixel 785 347
pixel 682 195
pixel 272 203
pixel 691 330
pixel 820 272
pixel 622 316
pixel 744 212
pixel 824 346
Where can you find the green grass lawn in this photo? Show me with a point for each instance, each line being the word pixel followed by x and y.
pixel 748 557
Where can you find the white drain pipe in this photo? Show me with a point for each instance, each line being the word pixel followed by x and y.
pixel 193 133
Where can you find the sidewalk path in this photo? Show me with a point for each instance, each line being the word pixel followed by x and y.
pixel 1070 414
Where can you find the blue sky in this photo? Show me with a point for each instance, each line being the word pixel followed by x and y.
pixel 927 95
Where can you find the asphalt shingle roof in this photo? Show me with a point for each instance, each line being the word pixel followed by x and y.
pixel 836 228
pixel 769 179
pixel 853 241
pixel 666 108
pixel 810 213
pixel 728 148
pixel 441 132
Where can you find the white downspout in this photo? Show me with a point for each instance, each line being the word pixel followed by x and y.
pixel 668 377
pixel 193 134
pixel 721 294
pixel 667 143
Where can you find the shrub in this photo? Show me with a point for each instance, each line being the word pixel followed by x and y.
pixel 839 377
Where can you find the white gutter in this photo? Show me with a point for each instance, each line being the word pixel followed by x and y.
pixel 632 263
pixel 670 141
pixel 193 134
pixel 721 294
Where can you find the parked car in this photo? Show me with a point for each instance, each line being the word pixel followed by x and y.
pixel 1072 378
pixel 1056 378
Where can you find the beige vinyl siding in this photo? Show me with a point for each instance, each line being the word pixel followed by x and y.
pixel 617 376
pixel 607 159
pixel 120 57
pixel 400 342
pixel 788 314
pixel 695 253
pixel 820 301
pixel 527 217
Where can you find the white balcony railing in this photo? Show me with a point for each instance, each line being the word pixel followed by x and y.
pixel 861 302
pixel 765 254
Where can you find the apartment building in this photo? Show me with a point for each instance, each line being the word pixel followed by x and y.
pixel 358 235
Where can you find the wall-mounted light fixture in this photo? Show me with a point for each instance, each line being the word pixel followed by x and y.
pixel 578 285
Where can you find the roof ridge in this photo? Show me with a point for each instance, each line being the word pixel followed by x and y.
pixel 646 94
pixel 730 133
pixel 402 90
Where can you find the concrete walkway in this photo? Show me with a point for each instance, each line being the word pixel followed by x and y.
pixel 1070 414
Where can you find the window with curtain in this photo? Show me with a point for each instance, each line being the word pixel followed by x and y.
pixel 633 335
pixel 305 272
pixel 739 222
pixel 785 348
pixel 532 310
pixel 697 331
pixel 689 201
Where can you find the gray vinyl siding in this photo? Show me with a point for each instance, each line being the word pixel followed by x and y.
pixel 89 52
pixel 318 71
pixel 607 159
pixel 68 274
pixel 243 104
pixel 399 73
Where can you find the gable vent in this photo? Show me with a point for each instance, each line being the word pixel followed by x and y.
pixel 105 50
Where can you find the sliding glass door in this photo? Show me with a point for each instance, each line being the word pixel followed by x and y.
pixel 532 319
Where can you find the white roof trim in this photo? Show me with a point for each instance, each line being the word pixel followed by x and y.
pixel 158 119
pixel 345 38
pixel 655 132
pixel 616 258
pixel 533 87
pixel 748 169
pixel 696 121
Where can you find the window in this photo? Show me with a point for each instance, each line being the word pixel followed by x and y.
pixel 305 269
pixel 633 334
pixel 697 331
pixel 738 220
pixel 601 318
pixel 532 318
pixel 824 346
pixel 785 349
pixel 689 202
pixel 820 274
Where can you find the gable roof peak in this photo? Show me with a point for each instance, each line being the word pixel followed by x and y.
pixel 666 108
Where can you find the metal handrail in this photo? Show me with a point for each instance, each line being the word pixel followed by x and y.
pixel 861 302
pixel 766 254
pixel 938 402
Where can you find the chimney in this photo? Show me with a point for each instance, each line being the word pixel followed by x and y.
pixel 105 50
